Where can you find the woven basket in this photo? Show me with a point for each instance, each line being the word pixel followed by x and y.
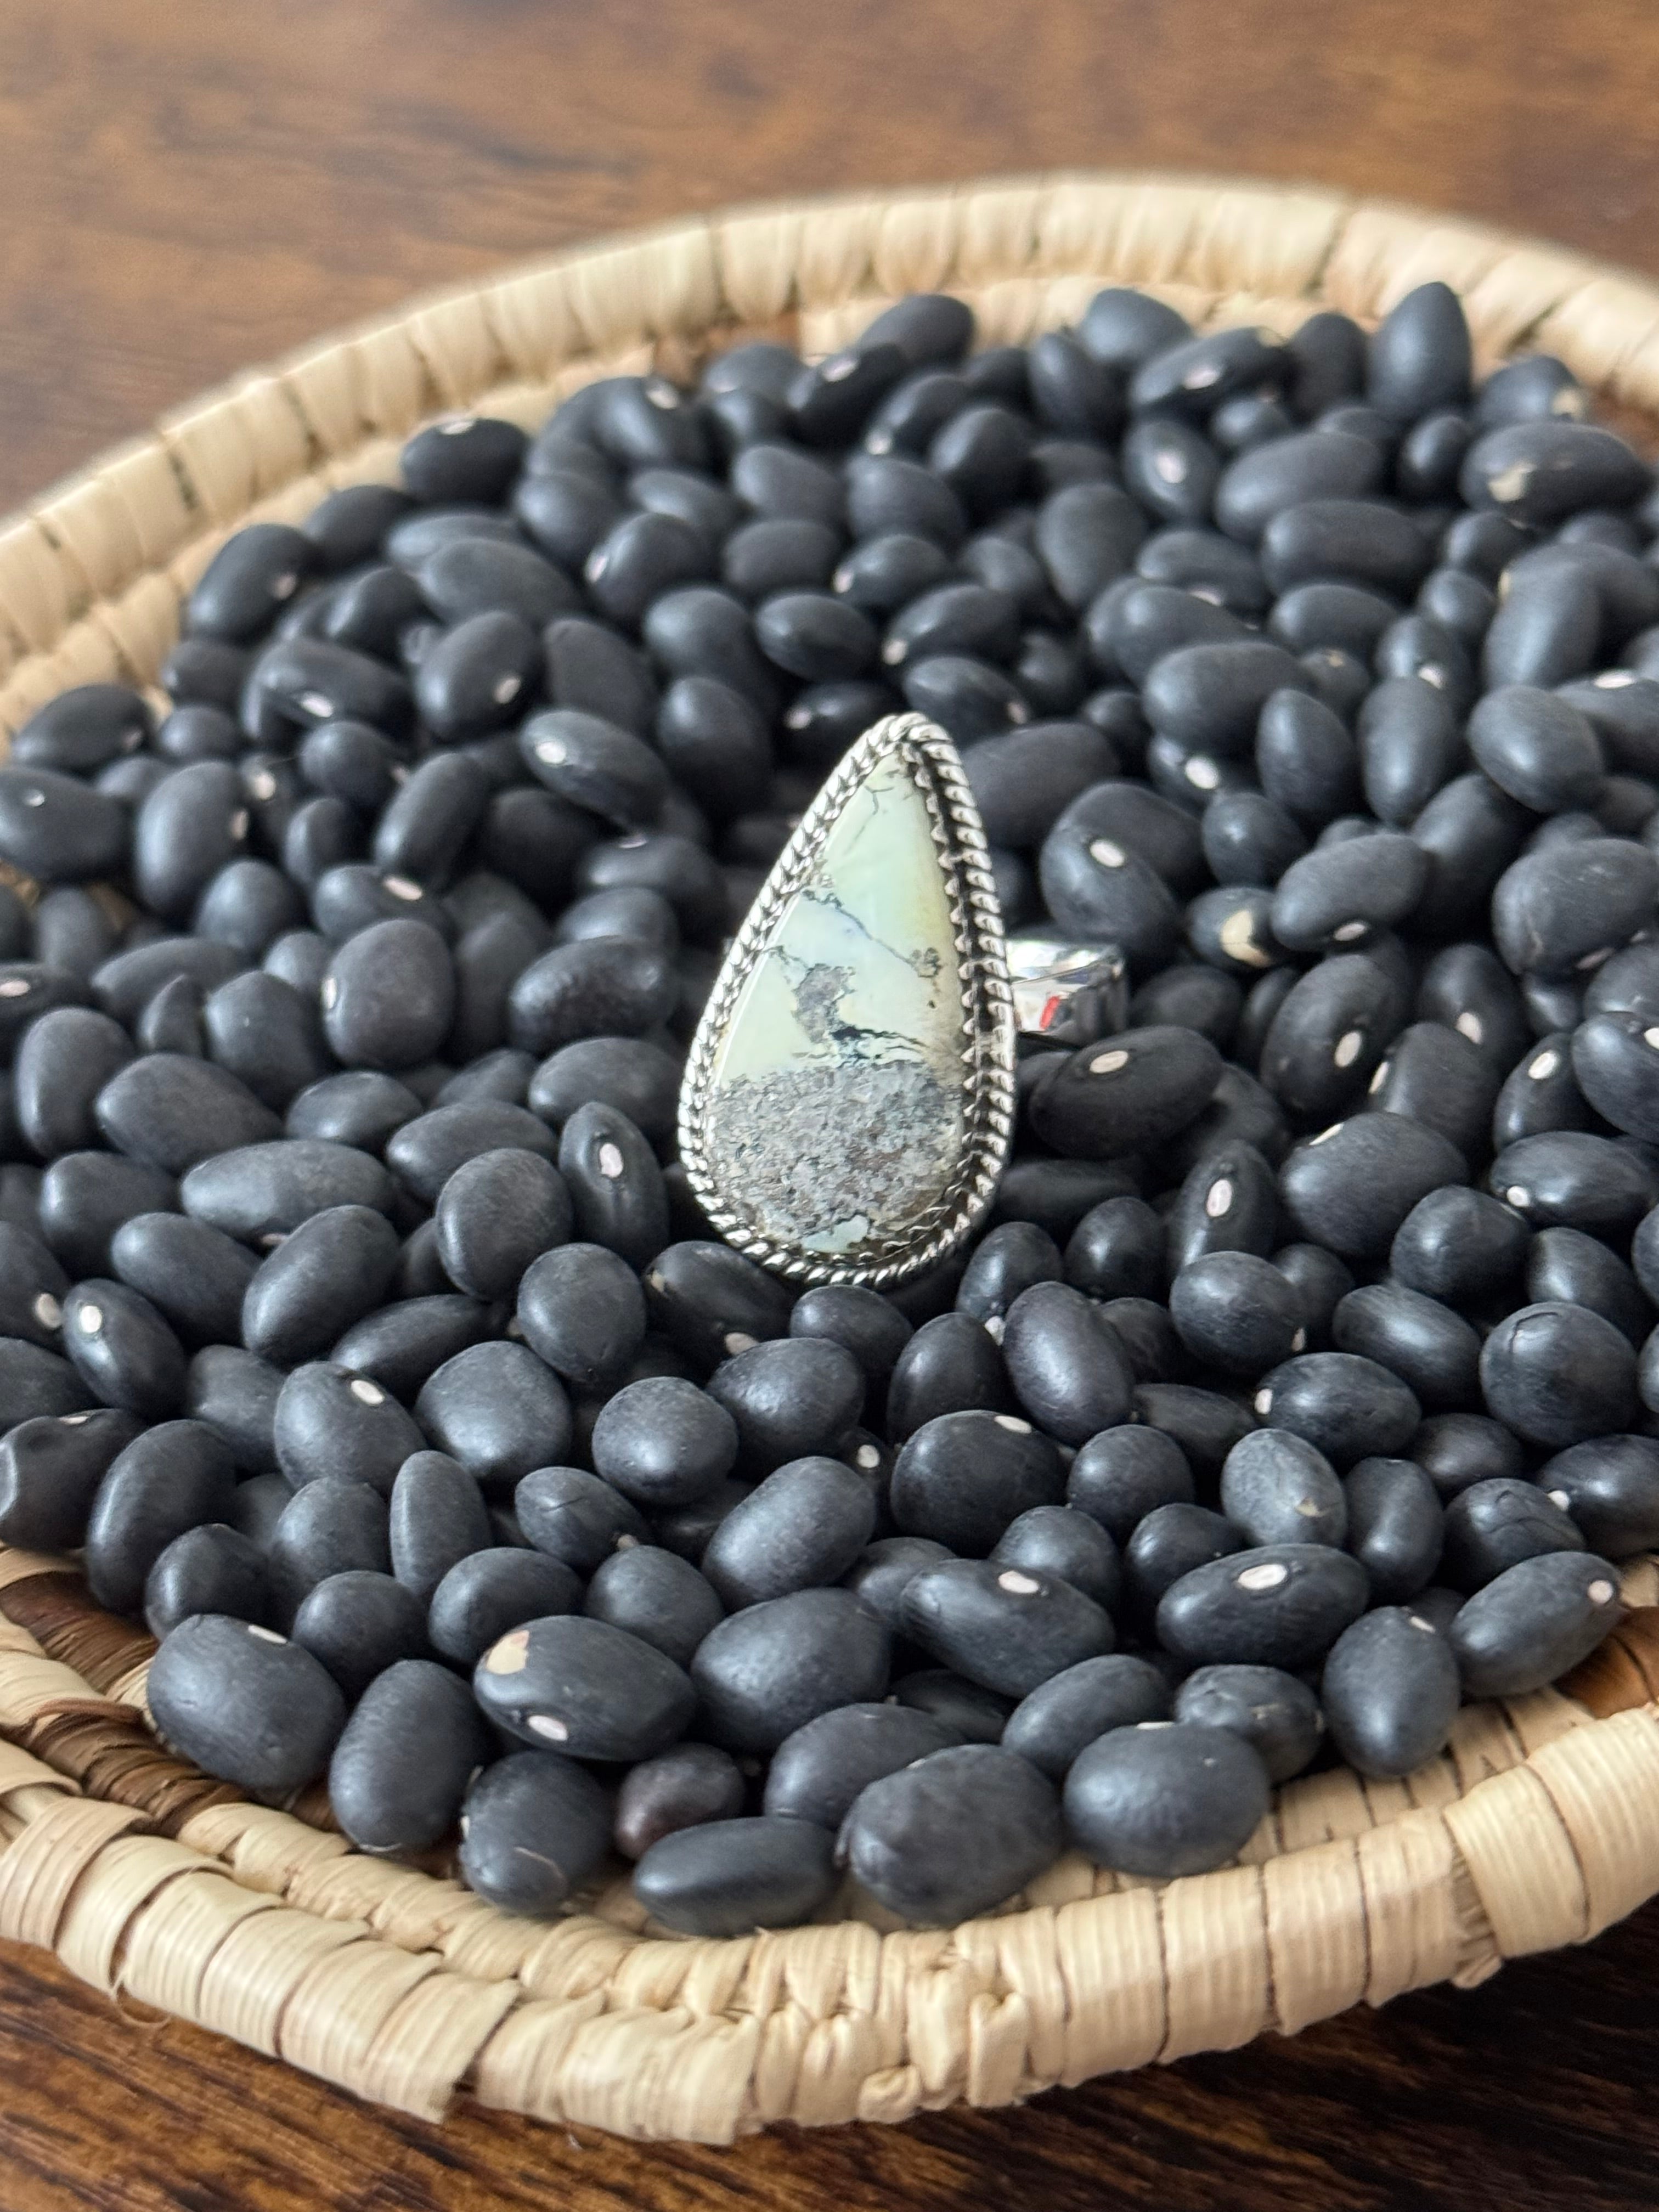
pixel 1538 1826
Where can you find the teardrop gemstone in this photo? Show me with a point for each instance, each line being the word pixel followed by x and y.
pixel 848 1099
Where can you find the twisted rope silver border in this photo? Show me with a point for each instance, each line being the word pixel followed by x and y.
pixel 988 1018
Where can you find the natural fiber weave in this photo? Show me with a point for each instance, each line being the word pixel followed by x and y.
pixel 1538 1826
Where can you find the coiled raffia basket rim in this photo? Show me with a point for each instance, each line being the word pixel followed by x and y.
pixel 1540 1827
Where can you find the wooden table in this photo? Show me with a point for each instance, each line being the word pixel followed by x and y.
pixel 191 187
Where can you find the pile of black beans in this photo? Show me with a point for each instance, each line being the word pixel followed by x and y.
pixel 358 1327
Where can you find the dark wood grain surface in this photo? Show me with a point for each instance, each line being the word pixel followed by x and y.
pixel 193 184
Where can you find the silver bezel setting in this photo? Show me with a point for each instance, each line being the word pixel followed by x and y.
pixel 987 1019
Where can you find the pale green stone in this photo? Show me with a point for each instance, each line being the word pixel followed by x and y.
pixel 837 1106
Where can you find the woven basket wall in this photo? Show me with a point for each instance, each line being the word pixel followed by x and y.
pixel 1541 1824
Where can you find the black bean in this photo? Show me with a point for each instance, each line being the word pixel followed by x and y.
pixel 1005 1627
pixel 1123 1475
pixel 57 830
pixel 173 1477
pixel 534 1827
pixel 1062 1541
pixel 83 729
pixel 1172 469
pixel 1249 838
pixel 1432 453
pixel 1285 471
pixel 498 1409
pixel 403 1763
pixel 1328 1037
pixel 1556 1374
pixel 210 1569
pixel 234 1395
pixel 362 1624
pixel 72 931
pixel 825 718
pixel 1459 600
pixel 1609 1486
pixel 790 1398
pixel 1567 1267
pixel 331 1423
pixel 818 1773
pixel 245 1704
pixel 1351 1186
pixel 204 670
pixel 64 1061
pixel 261 1192
pixel 1203 560
pixel 264 1032
pixel 871 1327
pixel 1395 1526
pixel 728 1877
pixel 1419 355
pixel 657 1596
pixel 1118 1250
pixel 34 1382
pixel 1277 1489
pixel 683 1788
pixel 1273 1712
pixel 1229 1202
pixel 1279 1605
pixel 438 1518
pixel 248 905
pixel 327 1274
pixel 84 1198
pixel 32 1287
pixel 598 987
pixel 1611 1058
pixel 1133 624
pixel 171 1022
pixel 1456 1449
pixel 805 1525
pixel 1236 1312
pixel 1559 910
pixel 1356 541
pixel 1346 1405
pixel 712 1302
pixel 494 1214
pixel 51 1467
pixel 765 1672
pixel 1068 1367
pixel 491 1591
pixel 1114 1096
pixel 1339 893
pixel 1431 1348
pixel 1465 987
pixel 1008 1261
pixel 425 1152
pixel 1211 697
pixel 1533 1622
pixel 1434 1075
pixel 616 1191
pixel 123 1349
pixel 593 1691
pixel 1165 1799
pixel 300 959
pixel 1390 1690
pixel 1471 832
pixel 1305 758
pixel 1492 1525
pixel 1596 1183
pixel 575 1516
pixel 360 1110
pixel 582 1310
pixel 952 1834
pixel 1541 472
pixel 1536 747
pixel 169 1111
